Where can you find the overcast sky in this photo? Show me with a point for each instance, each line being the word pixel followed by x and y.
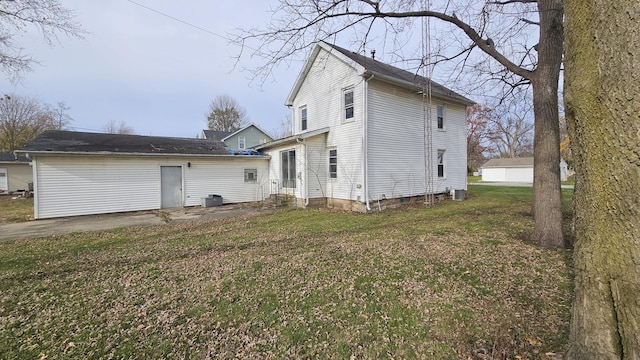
pixel 155 73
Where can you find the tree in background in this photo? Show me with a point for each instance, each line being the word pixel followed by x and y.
pixel 510 129
pixel 477 128
pixel 285 129
pixel 500 29
pixel 226 114
pixel 112 127
pixel 49 17
pixel 602 106
pixel 23 118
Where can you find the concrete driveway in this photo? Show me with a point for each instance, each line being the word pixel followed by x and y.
pixel 47 227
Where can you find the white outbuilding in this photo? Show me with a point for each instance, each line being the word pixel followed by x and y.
pixel 77 173
pixel 514 170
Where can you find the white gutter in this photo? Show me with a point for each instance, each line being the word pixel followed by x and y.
pixel 306 177
pixel 365 141
pixel 28 153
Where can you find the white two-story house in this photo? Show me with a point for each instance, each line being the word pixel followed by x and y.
pixel 366 132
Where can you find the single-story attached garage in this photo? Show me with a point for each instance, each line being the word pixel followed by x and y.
pixel 77 173
pixel 514 170
pixel 15 173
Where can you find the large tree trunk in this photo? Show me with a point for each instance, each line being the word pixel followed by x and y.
pixel 602 94
pixel 547 196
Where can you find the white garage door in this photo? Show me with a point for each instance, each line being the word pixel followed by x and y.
pixel 4 185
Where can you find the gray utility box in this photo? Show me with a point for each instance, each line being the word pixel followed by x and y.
pixel 211 200
pixel 459 195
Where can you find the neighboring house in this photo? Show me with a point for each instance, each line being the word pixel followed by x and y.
pixel 514 170
pixel 361 134
pixel 76 173
pixel 15 173
pixel 216 135
pixel 245 138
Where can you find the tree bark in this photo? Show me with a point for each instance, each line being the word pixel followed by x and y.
pixel 547 196
pixel 602 95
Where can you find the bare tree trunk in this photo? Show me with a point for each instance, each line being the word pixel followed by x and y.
pixel 602 94
pixel 547 197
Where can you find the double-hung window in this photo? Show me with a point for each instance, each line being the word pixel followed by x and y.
pixel 441 163
pixel 288 168
pixel 348 104
pixel 303 118
pixel 440 116
pixel 241 143
pixel 333 163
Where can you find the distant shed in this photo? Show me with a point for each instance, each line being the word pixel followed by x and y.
pixel 514 170
pixel 15 173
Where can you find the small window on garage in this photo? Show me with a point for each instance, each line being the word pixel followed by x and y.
pixel 250 175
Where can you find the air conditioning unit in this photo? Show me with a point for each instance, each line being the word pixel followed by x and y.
pixel 459 195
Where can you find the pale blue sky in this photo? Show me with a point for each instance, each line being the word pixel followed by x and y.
pixel 159 75
pixel 156 74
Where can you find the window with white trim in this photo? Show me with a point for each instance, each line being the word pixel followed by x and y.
pixel 440 116
pixel 288 168
pixel 348 104
pixel 241 143
pixel 303 118
pixel 441 163
pixel 250 175
pixel 333 163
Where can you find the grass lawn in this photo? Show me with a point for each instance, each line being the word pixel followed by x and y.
pixel 448 282
pixel 15 210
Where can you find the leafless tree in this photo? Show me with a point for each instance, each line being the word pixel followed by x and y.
pixel 112 127
pixel 285 129
pixel 477 131
pixel 502 30
pixel 48 17
pixel 226 114
pixel 511 129
pixel 22 119
pixel 602 83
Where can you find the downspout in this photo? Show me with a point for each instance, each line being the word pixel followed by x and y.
pixel 306 183
pixel 34 175
pixel 365 141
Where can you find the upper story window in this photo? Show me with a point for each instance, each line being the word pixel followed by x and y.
pixel 440 116
pixel 348 104
pixel 303 118
pixel 241 143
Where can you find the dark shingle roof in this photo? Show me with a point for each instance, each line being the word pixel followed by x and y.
pixel 83 142
pixel 509 162
pixel 213 134
pixel 11 157
pixel 393 73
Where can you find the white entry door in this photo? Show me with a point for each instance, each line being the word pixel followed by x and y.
pixel 4 184
pixel 171 186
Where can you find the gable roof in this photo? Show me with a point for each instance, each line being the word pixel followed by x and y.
pixel 216 135
pixel 367 66
pixel 59 142
pixel 243 129
pixel 509 162
pixel 13 158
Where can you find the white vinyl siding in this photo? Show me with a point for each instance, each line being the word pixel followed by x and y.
pixel 396 144
pixel 324 90
pixel 83 185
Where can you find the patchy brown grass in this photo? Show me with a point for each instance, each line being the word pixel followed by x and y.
pixel 15 209
pixel 449 282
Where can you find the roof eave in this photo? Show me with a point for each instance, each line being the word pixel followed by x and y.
pixel 28 153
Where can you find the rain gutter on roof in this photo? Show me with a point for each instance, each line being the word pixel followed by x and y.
pixel 28 153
